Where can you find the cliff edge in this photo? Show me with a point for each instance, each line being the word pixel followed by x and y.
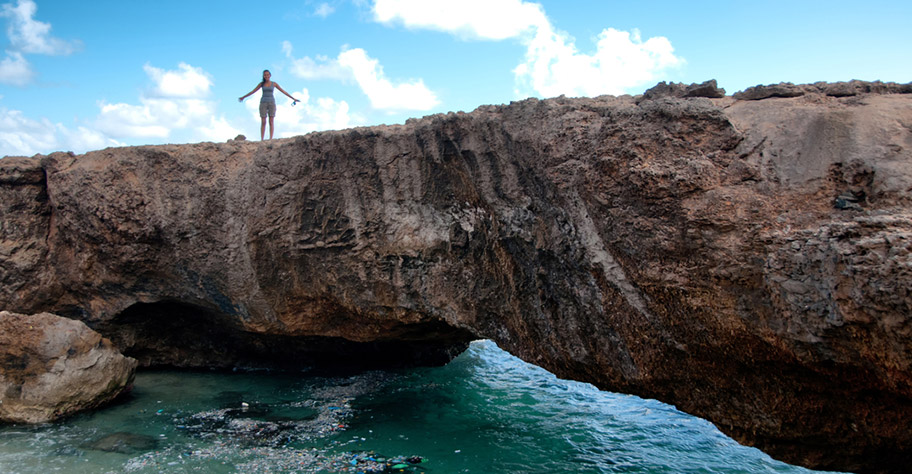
pixel 746 259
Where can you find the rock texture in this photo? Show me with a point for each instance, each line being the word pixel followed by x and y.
pixel 52 367
pixel 709 89
pixel 835 89
pixel 746 260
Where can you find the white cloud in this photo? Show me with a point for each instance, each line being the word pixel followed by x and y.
pixel 30 36
pixel 307 116
pixel 218 129
pixel 153 119
pixel 355 64
pixel 381 92
pixel 324 9
pixel 176 102
pixel 84 139
pixel 552 64
pixel 321 68
pixel 186 82
pixel 15 70
pixel 27 36
pixel 479 19
pixel 20 135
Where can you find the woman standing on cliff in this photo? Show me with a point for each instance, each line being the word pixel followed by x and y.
pixel 267 101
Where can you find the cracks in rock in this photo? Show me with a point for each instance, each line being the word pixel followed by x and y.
pixel 598 252
pixel 754 150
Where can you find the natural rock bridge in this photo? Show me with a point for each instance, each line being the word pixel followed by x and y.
pixel 746 260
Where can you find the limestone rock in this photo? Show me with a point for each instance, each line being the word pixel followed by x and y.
pixel 783 89
pixel 709 89
pixel 745 260
pixel 52 367
pixel 835 89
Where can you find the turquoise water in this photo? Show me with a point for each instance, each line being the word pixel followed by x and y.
pixel 485 412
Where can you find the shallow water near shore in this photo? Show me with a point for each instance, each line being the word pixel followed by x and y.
pixel 485 412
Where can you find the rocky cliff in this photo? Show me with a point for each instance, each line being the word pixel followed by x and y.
pixel 744 258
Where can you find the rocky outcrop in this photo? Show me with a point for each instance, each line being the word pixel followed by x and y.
pixel 709 89
pixel 746 260
pixel 832 89
pixel 52 367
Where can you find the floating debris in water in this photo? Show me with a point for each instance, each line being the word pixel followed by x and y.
pixel 266 459
pixel 320 419
pixel 123 442
pixel 256 441
pixel 369 462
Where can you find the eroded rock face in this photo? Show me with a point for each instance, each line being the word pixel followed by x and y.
pixel 52 367
pixel 746 260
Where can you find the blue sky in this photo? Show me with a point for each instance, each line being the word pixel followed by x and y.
pixel 78 76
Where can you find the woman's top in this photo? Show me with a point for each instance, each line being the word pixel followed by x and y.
pixel 267 94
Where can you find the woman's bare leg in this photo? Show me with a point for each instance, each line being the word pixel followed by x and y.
pixel 263 127
pixel 270 127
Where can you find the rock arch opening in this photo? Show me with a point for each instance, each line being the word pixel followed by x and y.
pixel 185 335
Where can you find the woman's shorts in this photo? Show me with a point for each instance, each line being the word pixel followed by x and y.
pixel 267 108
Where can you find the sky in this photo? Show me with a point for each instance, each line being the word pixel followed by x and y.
pixel 79 76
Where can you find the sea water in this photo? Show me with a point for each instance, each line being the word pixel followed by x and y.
pixel 484 412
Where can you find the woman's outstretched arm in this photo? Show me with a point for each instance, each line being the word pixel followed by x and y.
pixel 241 99
pixel 276 84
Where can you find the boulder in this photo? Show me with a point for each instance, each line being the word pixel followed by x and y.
pixel 52 367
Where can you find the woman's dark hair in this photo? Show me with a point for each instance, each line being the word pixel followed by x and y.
pixel 264 78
